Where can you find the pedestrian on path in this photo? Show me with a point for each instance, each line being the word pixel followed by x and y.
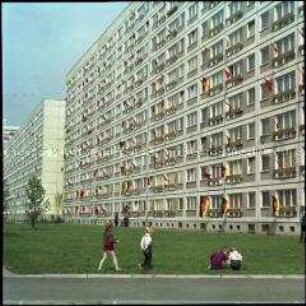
pixel 109 246
pixel 146 248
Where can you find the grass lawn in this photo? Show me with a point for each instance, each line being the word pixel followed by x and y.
pixel 63 248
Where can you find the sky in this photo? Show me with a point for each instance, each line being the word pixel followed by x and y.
pixel 40 44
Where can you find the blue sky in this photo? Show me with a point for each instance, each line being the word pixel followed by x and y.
pixel 40 43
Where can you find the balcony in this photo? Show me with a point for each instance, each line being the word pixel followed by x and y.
pixel 172 11
pixel 234 144
pixel 287 212
pixel 215 181
pixel 191 156
pixel 171 35
pixel 215 30
pixel 215 90
pixel 234 213
pixel 284 134
pixel 235 80
pixel 285 172
pixel 234 112
pixel 215 120
pixel 284 96
pixel 282 22
pixel 215 59
pixel 233 179
pixel 283 58
pixel 234 48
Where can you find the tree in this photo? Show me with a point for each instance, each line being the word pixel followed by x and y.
pixel 35 205
pixel 6 194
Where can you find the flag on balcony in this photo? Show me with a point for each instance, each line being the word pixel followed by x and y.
pixel 206 204
pixel 275 206
pixel 165 177
pixel 77 194
pixel 301 77
pixel 224 206
pixel 300 38
pixel 228 73
pixel 269 85
pixel 223 171
pixel 275 50
pixel 205 84
pixel 206 174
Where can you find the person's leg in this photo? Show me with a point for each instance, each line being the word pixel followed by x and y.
pixel 102 261
pixel 115 261
pixel 149 263
pixel 146 259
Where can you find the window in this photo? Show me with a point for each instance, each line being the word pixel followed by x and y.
pixel 251 29
pixel 265 126
pixel 217 19
pixel 235 200
pixel 251 131
pixel 235 167
pixel 216 79
pixel 191 175
pixel 191 146
pixel 251 200
pixel 286 44
pixel 251 164
pixel 192 63
pixel 265 163
pixel 192 11
pixel 193 37
pixel 191 203
pixel 285 82
pixel 285 159
pixel 264 21
pixel 235 101
pixel 286 120
pixel 216 201
pixel 217 139
pixel 287 197
pixel 216 49
pixel 265 199
pixel 264 56
pixel 234 7
pixel 216 110
pixel 235 37
pixel 251 96
pixel 284 8
pixel 192 91
pixel 192 119
pixel 235 133
pixel 251 62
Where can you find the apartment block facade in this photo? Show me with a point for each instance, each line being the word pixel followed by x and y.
pixel 8 132
pixel 191 115
pixel 37 149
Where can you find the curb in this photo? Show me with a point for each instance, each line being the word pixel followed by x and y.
pixel 155 276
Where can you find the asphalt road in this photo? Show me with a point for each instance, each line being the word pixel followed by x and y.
pixel 150 290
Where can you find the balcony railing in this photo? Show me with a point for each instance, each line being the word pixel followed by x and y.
pixel 285 20
pixel 234 48
pixel 284 96
pixel 283 58
pixel 284 134
pixel 285 172
pixel 233 179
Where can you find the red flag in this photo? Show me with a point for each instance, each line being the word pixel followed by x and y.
pixel 205 84
pixel 269 84
pixel 227 73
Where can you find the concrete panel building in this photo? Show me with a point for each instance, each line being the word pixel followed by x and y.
pixel 37 149
pixel 8 132
pixel 191 115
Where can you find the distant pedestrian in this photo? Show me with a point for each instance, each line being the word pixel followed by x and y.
pixel 218 259
pixel 116 219
pixel 303 228
pixel 234 259
pixel 109 246
pixel 146 248
pixel 126 216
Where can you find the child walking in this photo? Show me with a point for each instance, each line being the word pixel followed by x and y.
pixel 146 248
pixel 109 246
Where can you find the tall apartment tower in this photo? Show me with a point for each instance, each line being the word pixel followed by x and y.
pixel 191 115
pixel 37 149
pixel 8 132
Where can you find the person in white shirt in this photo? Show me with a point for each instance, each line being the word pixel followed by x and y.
pixel 234 259
pixel 146 248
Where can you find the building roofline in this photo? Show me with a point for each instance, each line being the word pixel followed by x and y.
pixel 113 23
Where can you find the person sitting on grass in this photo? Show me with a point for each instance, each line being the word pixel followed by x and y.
pixel 234 259
pixel 218 259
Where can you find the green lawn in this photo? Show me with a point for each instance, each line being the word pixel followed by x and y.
pixel 63 248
